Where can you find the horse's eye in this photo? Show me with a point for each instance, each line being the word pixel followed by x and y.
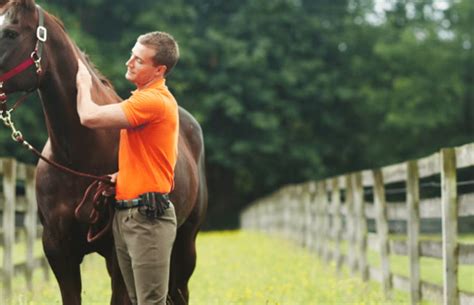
pixel 10 34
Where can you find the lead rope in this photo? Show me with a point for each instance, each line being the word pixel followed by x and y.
pixel 103 195
pixel 17 136
pixel 103 198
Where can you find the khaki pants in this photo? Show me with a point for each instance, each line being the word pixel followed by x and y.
pixel 144 252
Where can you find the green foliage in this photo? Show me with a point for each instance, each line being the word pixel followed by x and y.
pixel 289 90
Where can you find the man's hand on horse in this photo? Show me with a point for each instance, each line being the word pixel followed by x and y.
pixel 83 77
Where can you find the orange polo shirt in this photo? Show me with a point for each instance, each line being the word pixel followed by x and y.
pixel 148 150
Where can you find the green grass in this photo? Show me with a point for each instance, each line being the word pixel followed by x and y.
pixel 463 238
pixel 19 251
pixel 256 269
pixel 235 268
pixel 431 268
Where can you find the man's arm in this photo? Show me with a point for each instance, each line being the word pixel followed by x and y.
pixel 91 114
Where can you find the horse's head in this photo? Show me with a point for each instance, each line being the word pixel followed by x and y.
pixel 21 43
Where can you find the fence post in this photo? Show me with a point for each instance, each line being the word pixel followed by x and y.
pixel 286 213
pixel 449 203
pixel 326 250
pixel 320 222
pixel 361 223
pixel 291 213
pixel 309 216
pixel 328 221
pixel 272 205
pixel 281 220
pixel 301 214
pixel 382 229
pixel 30 225
pixel 337 225
pixel 313 210
pixel 9 193
pixel 413 203
pixel 278 213
pixel 350 225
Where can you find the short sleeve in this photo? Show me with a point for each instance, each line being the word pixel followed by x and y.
pixel 143 107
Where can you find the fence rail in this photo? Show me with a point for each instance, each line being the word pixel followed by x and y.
pixel 17 198
pixel 322 214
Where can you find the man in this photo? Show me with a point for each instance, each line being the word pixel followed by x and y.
pixel 144 226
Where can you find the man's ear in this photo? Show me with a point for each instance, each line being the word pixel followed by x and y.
pixel 161 70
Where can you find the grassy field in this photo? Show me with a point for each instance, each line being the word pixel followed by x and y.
pixel 234 268
pixel 431 269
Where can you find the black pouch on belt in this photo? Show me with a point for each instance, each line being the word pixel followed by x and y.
pixel 154 205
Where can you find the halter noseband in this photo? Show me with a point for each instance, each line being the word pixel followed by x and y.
pixel 34 59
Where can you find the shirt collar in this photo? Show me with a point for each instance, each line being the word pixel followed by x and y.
pixel 153 85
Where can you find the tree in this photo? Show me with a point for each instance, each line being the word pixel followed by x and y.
pixel 291 90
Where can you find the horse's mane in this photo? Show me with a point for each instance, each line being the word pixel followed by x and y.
pixel 101 77
pixel 57 21
pixel 88 61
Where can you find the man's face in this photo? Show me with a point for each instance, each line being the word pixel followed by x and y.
pixel 140 67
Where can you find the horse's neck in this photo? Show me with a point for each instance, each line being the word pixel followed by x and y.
pixel 71 143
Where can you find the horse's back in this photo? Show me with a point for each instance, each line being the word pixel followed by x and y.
pixel 190 193
pixel 191 131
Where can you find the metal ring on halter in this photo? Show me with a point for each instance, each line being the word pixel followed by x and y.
pixel 41 33
pixel 37 60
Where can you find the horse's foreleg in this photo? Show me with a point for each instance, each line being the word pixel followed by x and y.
pixel 183 262
pixel 65 265
pixel 119 291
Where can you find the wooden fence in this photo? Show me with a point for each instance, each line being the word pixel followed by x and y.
pixel 17 200
pixel 327 215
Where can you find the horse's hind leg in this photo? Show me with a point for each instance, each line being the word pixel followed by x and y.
pixel 183 262
pixel 65 264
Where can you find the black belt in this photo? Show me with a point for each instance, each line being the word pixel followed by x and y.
pixel 128 204
pixel 136 202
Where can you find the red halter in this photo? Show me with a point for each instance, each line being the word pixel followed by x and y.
pixel 34 59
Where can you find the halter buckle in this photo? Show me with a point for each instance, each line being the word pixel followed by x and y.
pixel 37 60
pixel 41 33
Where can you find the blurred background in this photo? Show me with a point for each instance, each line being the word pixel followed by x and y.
pixel 291 90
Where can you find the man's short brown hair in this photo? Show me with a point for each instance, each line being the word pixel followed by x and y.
pixel 166 47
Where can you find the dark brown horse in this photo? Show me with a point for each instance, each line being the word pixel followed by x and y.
pixel 86 150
